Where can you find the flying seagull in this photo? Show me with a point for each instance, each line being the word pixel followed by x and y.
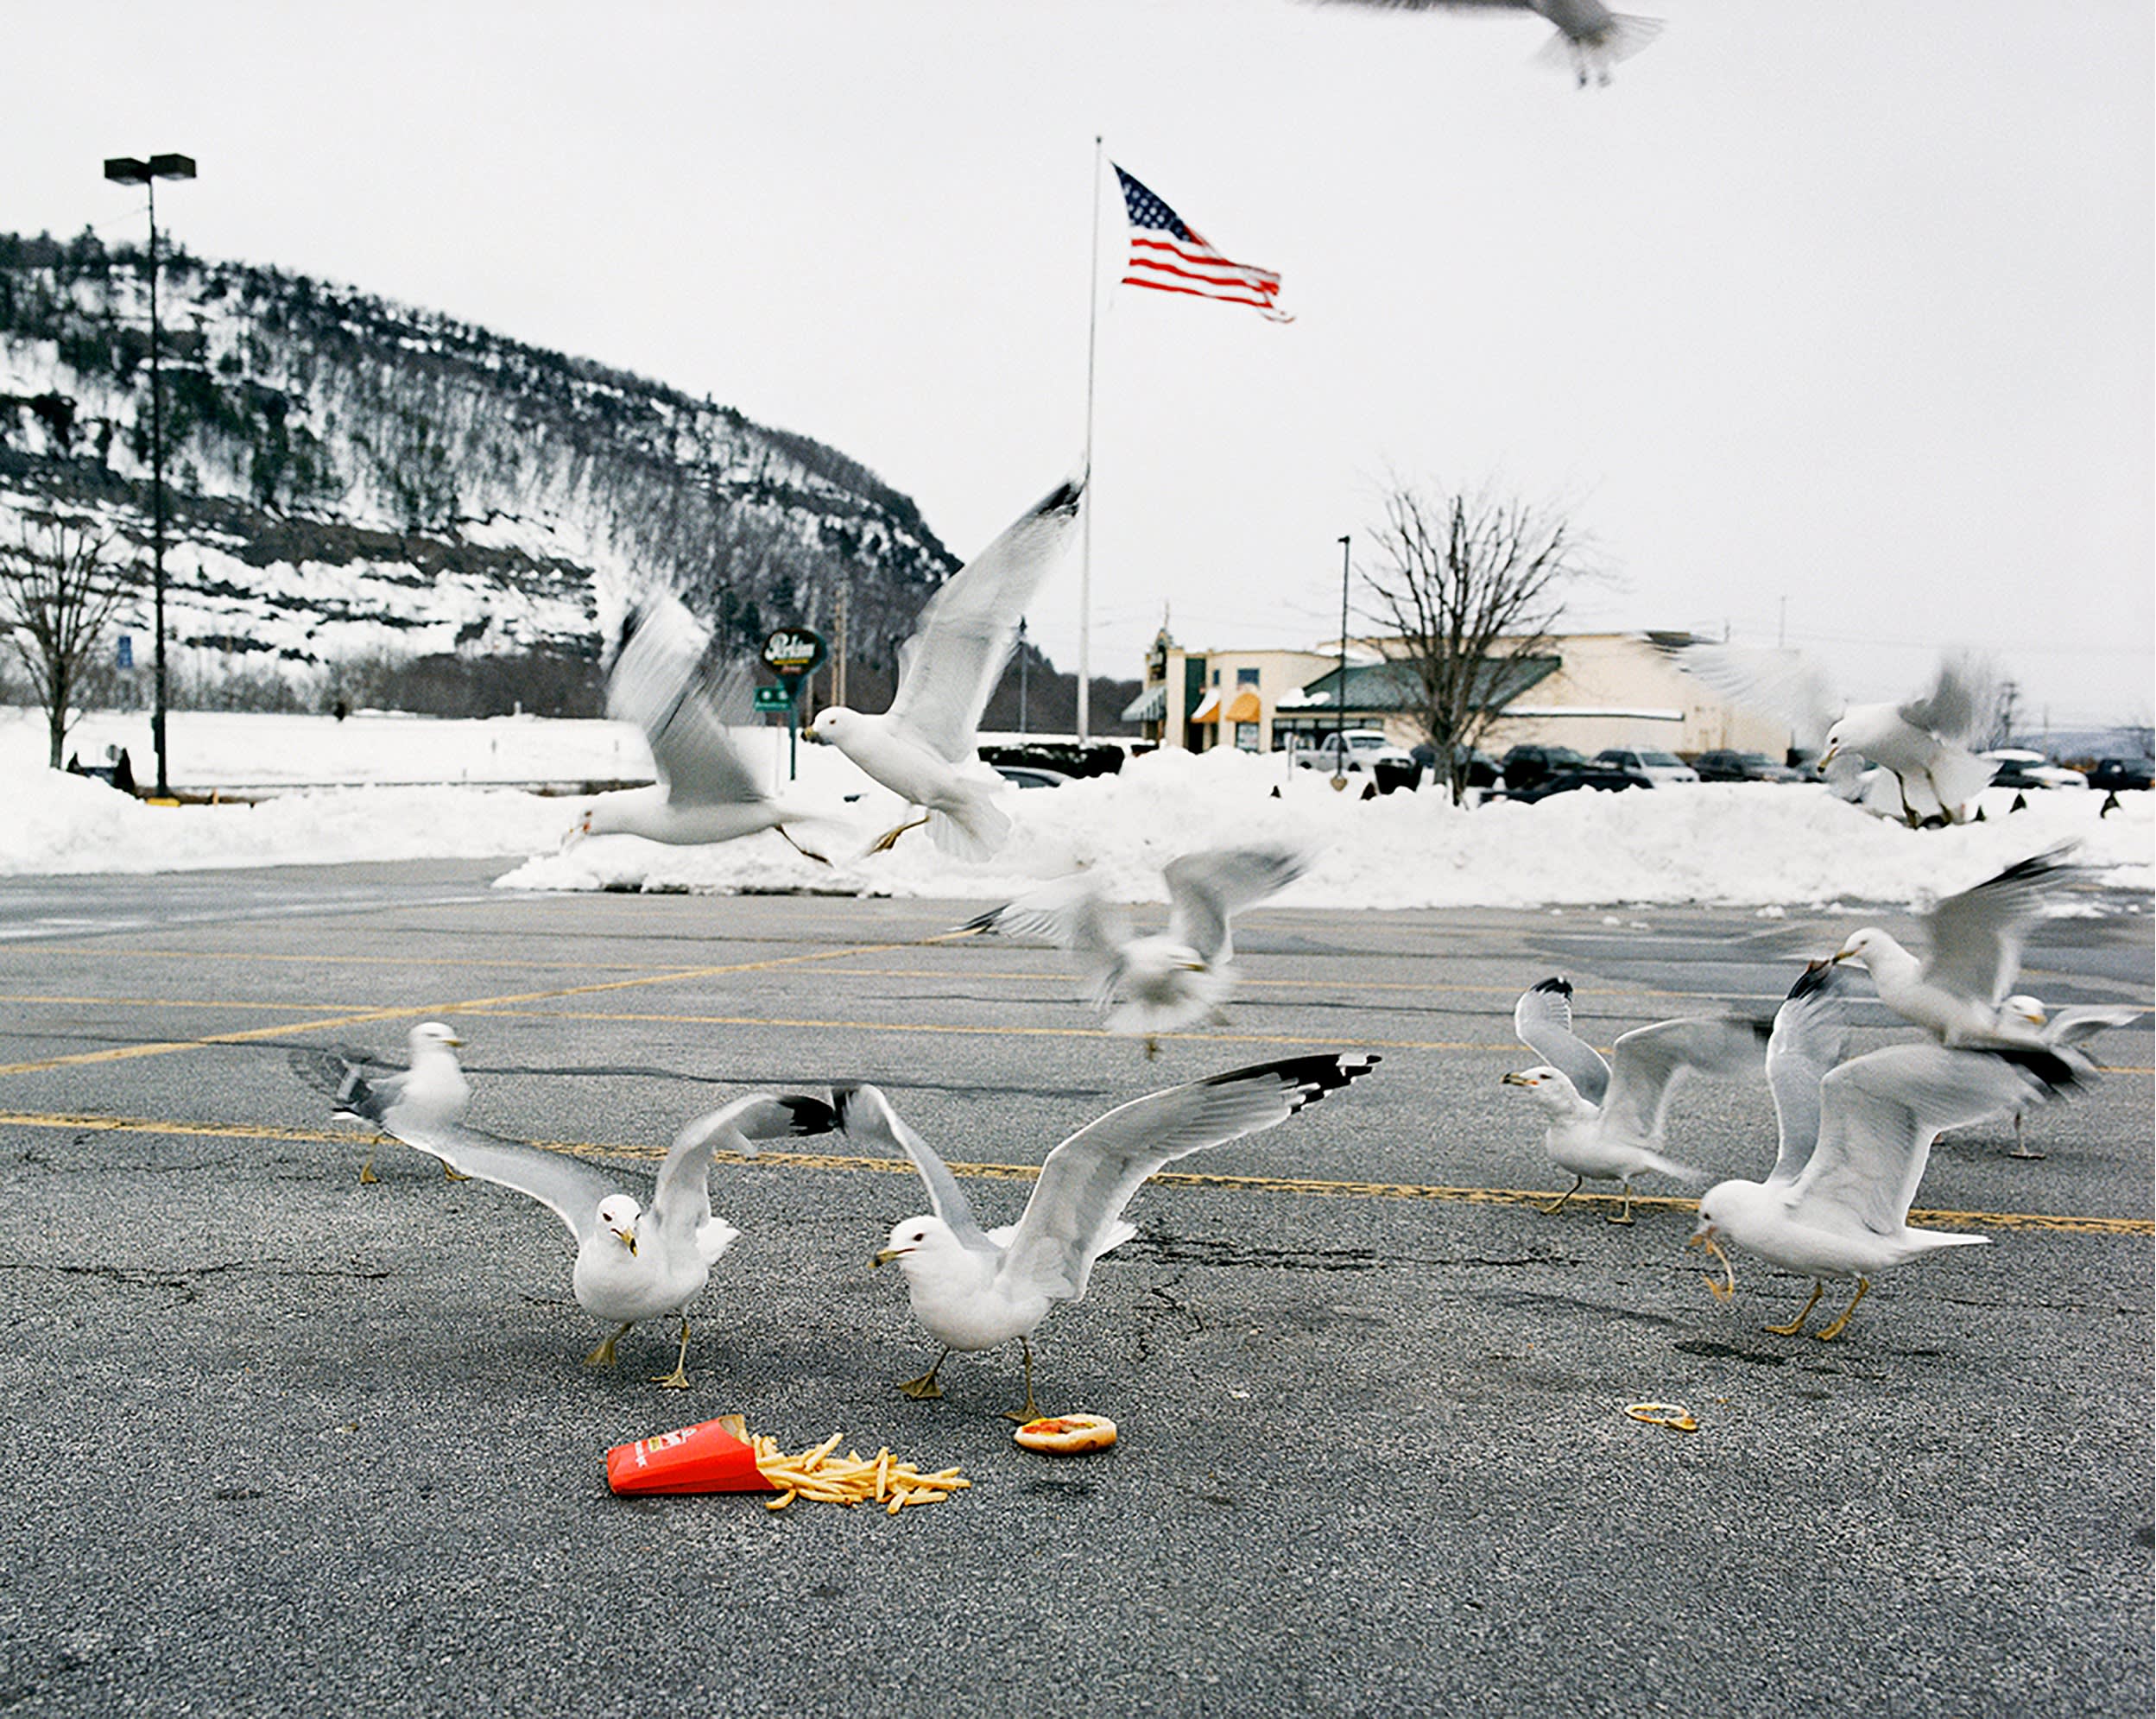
pixel 1924 742
pixel 1605 1119
pixel 1169 980
pixel 432 1090
pixel 1852 1144
pixel 922 748
pixel 1591 36
pixel 2062 1031
pixel 632 1262
pixel 973 1289
pixel 707 790
pixel 1957 992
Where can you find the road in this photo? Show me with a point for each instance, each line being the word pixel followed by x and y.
pixel 282 1442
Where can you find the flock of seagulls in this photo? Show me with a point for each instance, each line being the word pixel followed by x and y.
pixel 1854 1136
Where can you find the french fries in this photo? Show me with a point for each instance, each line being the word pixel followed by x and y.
pixel 824 1477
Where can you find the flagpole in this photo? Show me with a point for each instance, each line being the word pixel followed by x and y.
pixel 1086 513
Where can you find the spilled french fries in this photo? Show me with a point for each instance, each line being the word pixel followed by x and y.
pixel 822 1476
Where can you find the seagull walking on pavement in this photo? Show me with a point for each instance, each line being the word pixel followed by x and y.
pixel 973 1289
pixel 1605 1118
pixel 634 1262
pixel 1167 980
pixel 923 748
pixel 1854 1140
pixel 432 1091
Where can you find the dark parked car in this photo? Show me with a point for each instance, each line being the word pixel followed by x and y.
pixel 1527 766
pixel 2110 774
pixel 1030 776
pixel 1483 771
pixel 1602 776
pixel 1724 765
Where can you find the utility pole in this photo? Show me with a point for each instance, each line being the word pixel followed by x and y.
pixel 126 170
pixel 1022 674
pixel 838 657
pixel 1340 688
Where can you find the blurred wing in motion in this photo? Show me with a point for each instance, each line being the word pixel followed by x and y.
pixel 1976 936
pixel 1207 889
pixel 1647 1064
pixel 1810 1031
pixel 1963 701
pixel 1778 683
pixel 660 684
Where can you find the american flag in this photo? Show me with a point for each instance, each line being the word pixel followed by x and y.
pixel 1166 256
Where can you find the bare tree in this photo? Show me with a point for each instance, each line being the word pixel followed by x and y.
pixel 1471 586
pixel 56 595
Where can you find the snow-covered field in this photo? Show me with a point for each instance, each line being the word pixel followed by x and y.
pixel 1755 845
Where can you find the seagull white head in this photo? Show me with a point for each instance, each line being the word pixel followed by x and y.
pixel 619 1213
pixel 916 1238
pixel 1550 1087
pixel 1835 741
pixel 430 1036
pixel 1863 946
pixel 831 721
pixel 2030 1008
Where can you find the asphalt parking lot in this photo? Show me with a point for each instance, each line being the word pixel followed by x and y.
pixel 282 1443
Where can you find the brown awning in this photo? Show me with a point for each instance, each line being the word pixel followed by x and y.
pixel 1245 706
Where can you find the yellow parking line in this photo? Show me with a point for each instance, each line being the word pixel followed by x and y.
pixel 472 1005
pixel 1309 1186
pixel 168 1003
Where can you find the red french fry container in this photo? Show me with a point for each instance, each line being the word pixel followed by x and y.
pixel 704 1457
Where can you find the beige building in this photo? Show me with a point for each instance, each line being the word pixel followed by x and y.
pixel 1582 690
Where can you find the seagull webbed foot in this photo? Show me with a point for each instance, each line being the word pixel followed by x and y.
pixel 884 842
pixel 1579 1182
pixel 1032 1410
pixel 603 1355
pixel 925 1388
pixel 1797 1324
pixel 451 1174
pixel 679 1379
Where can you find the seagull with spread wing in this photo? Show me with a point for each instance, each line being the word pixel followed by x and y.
pixel 973 1289
pixel 632 1262
pixel 1854 1140
pixel 1168 980
pixel 1958 991
pixel 923 748
pixel 1591 36
pixel 1923 742
pixel 432 1090
pixel 707 790
pixel 2063 1030
pixel 1605 1118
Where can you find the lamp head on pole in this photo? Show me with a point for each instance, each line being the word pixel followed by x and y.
pixel 126 170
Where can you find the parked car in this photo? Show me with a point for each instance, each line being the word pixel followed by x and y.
pixel 1659 768
pixel 1605 777
pixel 1723 765
pixel 1360 752
pixel 2022 768
pixel 2112 774
pixel 1526 765
pixel 1483 771
pixel 1031 776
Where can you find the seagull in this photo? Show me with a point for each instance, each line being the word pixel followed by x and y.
pixel 1957 992
pixel 973 1289
pixel 707 790
pixel 1605 1119
pixel 1172 979
pixel 1924 742
pixel 632 1262
pixel 922 748
pixel 433 1089
pixel 2067 1027
pixel 1589 34
pixel 1854 1140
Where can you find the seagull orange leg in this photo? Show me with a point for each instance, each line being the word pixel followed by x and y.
pixel 1798 1324
pixel 1834 1330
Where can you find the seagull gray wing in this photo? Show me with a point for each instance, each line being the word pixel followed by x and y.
pixel 569 1188
pixel 1070 912
pixel 2073 1026
pixel 1206 889
pixel 1775 682
pixel 357 1085
pixel 1073 1215
pixel 661 683
pixel 1961 704
pixel 684 1179
pixel 866 1115
pixel 1649 1064
pixel 959 645
pixel 1542 1020
pixel 1879 1115
pixel 1810 1031
pixel 1976 936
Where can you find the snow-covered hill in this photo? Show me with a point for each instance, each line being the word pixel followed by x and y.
pixel 347 476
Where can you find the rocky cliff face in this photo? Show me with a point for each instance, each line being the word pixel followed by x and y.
pixel 346 476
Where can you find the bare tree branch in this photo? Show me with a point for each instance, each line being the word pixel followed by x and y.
pixel 56 596
pixel 1472 586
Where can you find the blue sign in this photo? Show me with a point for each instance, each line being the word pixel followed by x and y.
pixel 127 650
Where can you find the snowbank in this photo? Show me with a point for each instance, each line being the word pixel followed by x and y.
pixel 1749 845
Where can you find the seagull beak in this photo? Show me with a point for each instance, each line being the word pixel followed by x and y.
pixel 453 1040
pixel 1828 756
pixel 1723 1291
pixel 628 1241
pixel 887 1256
pixel 1842 955
pixel 1514 1080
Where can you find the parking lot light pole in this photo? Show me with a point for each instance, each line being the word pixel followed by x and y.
pixel 126 170
pixel 1340 690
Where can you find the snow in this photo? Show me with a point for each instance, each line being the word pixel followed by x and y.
pixel 1751 844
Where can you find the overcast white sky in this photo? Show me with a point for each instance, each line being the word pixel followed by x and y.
pixel 1839 302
